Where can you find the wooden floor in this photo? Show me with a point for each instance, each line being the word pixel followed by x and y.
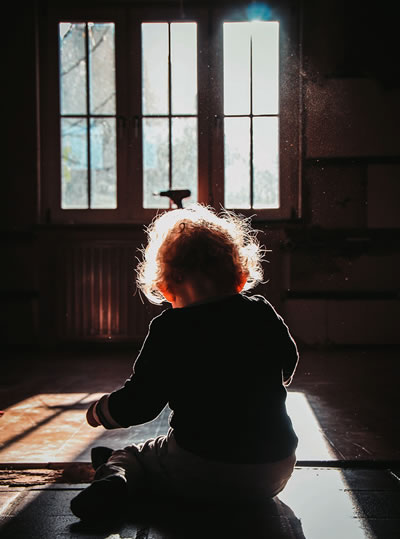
pixel 343 404
pixel 318 503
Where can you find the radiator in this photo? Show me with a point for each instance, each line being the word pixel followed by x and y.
pixel 98 296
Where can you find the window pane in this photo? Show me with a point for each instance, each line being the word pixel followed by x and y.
pixel 102 68
pixel 237 162
pixel 184 156
pixel 237 68
pixel 155 68
pixel 155 161
pixel 103 163
pixel 74 174
pixel 266 162
pixel 184 68
pixel 265 49
pixel 72 68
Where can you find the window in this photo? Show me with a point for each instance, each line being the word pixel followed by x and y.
pixel 251 114
pixel 140 102
pixel 87 115
pixel 169 110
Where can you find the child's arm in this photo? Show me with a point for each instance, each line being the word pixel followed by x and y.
pixel 144 394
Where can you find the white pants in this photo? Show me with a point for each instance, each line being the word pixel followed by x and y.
pixel 160 466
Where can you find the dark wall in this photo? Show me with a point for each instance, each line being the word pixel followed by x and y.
pixel 333 272
pixel 19 291
pixel 342 262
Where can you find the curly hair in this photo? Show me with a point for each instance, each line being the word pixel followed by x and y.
pixel 195 242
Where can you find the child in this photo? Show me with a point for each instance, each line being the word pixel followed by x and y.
pixel 219 358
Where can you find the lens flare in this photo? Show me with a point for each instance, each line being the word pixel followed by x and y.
pixel 257 11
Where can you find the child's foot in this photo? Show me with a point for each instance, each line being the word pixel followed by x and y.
pixel 104 499
pixel 100 455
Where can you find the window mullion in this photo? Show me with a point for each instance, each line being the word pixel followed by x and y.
pixel 216 112
pixel 88 145
pixel 169 110
pixel 251 125
pixel 204 111
pixel 133 109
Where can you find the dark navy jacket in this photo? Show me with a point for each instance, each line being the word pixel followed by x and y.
pixel 219 365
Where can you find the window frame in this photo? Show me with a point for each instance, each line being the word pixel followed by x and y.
pixel 137 17
pixel 127 21
pixel 50 151
pixel 290 130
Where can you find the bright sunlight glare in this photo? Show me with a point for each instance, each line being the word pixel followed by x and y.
pixel 257 11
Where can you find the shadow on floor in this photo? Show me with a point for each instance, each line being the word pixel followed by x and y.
pixel 274 519
pixel 46 515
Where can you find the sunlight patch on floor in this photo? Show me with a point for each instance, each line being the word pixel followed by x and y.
pixel 327 510
pixel 316 508
pixel 41 427
pixel 51 427
pixel 313 444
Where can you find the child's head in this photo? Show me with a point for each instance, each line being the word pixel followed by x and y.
pixel 217 253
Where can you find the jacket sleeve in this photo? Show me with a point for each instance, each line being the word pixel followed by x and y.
pixel 289 355
pixel 285 348
pixel 144 394
pixel 288 352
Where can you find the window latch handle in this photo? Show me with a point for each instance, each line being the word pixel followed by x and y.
pixel 136 123
pixel 121 124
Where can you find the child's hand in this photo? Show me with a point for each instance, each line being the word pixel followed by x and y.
pixel 91 416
